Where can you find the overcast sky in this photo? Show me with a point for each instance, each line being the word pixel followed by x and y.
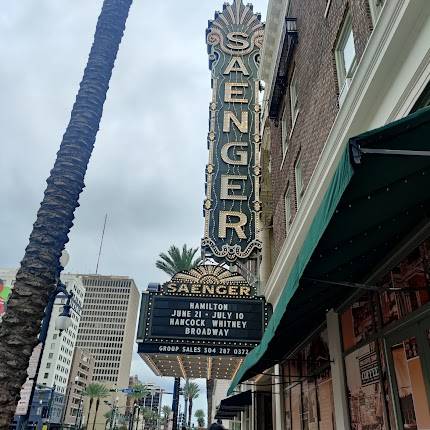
pixel 147 168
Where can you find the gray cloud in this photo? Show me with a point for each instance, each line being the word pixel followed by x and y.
pixel 147 169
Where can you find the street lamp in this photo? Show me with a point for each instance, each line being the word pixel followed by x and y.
pixel 64 320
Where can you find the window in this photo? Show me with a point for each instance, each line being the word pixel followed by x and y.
pixel 284 130
pixel 48 365
pixel 293 99
pixel 346 61
pixel 287 202
pixel 46 375
pixel 299 180
pixel 50 355
pixel 375 7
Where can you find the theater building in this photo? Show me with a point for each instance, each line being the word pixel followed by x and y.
pixel 345 192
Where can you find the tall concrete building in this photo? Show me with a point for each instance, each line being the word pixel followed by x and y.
pixel 107 330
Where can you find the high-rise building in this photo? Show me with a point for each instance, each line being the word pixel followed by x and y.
pixel 80 376
pixel 107 329
pixel 153 399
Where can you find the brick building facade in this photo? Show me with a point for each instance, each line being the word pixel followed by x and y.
pixel 313 63
pixel 344 219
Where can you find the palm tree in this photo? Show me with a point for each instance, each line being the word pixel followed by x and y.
pixel 95 391
pixel 166 410
pixel 108 415
pixel 150 418
pixel 40 267
pixel 200 415
pixel 191 391
pixel 176 261
pixel 140 391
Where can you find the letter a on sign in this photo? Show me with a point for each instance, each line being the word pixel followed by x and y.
pixel 232 203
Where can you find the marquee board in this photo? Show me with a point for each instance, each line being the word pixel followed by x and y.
pixel 207 311
pixel 205 315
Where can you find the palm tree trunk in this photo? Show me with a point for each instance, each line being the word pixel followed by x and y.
pixel 39 269
pixel 185 410
pixel 190 411
pixel 131 425
pixel 137 422
pixel 95 415
pixel 89 412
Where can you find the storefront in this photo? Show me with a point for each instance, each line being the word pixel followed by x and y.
pixel 350 331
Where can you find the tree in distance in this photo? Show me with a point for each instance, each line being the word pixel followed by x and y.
pixel 177 261
pixel 200 415
pixel 95 391
pixel 140 391
pixel 191 392
pixel 166 410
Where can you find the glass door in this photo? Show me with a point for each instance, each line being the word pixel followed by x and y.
pixel 408 359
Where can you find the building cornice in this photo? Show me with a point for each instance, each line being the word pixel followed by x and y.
pixel 273 35
pixel 379 83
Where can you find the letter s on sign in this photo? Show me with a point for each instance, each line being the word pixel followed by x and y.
pixel 239 40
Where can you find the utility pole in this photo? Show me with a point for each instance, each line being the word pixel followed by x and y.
pixel 175 402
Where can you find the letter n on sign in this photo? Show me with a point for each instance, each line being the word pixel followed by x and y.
pixel 232 205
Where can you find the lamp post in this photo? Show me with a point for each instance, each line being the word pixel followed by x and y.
pixel 59 289
pixel 113 414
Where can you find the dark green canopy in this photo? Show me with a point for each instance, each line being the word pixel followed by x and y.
pixel 375 200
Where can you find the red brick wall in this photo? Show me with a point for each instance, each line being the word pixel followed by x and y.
pixel 317 89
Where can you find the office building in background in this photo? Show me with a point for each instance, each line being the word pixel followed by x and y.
pixel 107 329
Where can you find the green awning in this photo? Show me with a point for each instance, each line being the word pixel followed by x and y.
pixel 231 406
pixel 368 209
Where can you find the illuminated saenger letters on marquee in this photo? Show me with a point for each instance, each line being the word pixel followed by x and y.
pixel 232 202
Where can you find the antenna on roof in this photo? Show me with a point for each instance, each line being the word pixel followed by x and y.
pixel 101 244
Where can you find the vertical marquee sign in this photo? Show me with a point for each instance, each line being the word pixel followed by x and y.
pixel 232 202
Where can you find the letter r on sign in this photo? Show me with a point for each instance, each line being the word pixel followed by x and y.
pixel 236 226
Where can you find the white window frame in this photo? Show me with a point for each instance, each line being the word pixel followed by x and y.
pixel 287 209
pixel 298 177
pixel 344 76
pixel 294 99
pixel 375 7
pixel 284 130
